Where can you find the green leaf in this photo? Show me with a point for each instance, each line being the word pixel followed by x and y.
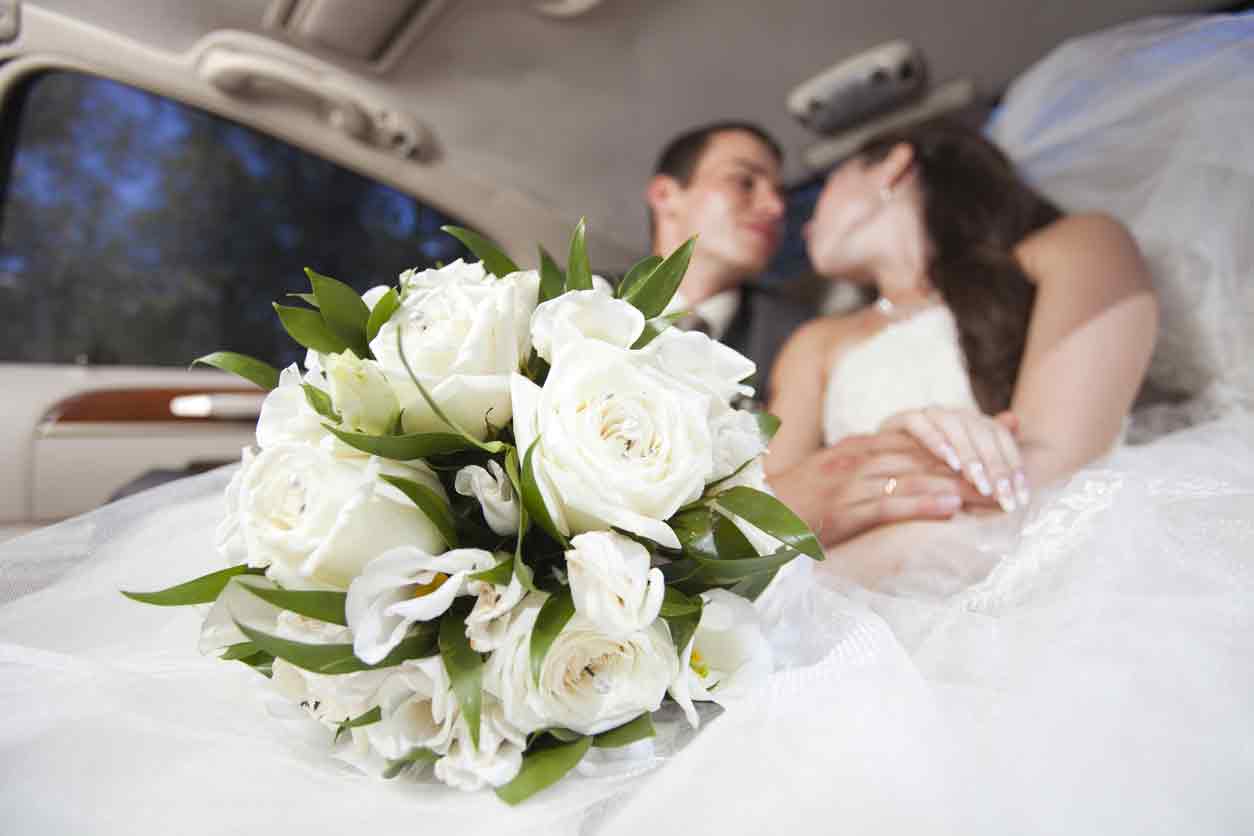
pixel 533 500
pixel 249 654
pixel 653 293
pixel 650 333
pixel 308 298
pixel 526 577
pixel 628 733
pixel 431 504
pixel 309 329
pixel 549 623
pixel 552 279
pixel 542 768
pixel 754 585
pixel 578 273
pixel 772 516
pixel 371 717
pixel 768 424
pixel 414 756
pixel 730 542
pixel 322 605
pixel 729 572
pixel 342 310
pixel 241 365
pixel 494 260
pixel 333 659
pixel 402 448
pixel 499 574
pixel 320 401
pixel 683 628
pixel 638 272
pixel 243 650
pixel 676 603
pixel 695 530
pixel 202 590
pixel 463 664
pixel 381 312
pixel 562 735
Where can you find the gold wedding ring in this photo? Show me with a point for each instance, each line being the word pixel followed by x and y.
pixel 890 486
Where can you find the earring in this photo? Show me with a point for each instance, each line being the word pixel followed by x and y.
pixel 886 194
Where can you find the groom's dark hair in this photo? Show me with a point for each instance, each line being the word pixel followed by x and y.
pixel 680 156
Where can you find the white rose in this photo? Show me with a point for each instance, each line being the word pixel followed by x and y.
pixel 286 415
pixel 727 655
pixel 612 584
pixel 737 440
pixel 417 708
pixel 316 519
pixel 494 762
pixel 463 332
pixel 489 619
pixel 360 393
pixel 621 443
pixel 402 586
pixel 702 363
pixel 495 494
pixel 580 314
pixel 588 683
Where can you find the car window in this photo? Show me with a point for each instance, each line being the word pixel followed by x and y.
pixel 138 230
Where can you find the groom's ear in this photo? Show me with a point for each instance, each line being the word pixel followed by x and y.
pixel 898 165
pixel 661 193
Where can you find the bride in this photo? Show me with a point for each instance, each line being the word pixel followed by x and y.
pixel 990 302
pixel 1082 665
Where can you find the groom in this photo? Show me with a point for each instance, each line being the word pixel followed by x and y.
pixel 721 182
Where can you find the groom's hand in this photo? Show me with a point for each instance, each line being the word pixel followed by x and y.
pixel 869 480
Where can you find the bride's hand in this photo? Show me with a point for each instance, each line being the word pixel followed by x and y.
pixel 980 447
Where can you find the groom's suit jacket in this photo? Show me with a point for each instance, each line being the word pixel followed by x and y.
pixel 764 320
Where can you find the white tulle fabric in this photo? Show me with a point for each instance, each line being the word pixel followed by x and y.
pixel 912 362
pixel 1085 667
pixel 1152 122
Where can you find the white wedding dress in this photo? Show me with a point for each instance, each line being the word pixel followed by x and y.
pixel 1086 666
pixel 912 362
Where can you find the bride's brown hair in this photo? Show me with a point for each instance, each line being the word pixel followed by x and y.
pixel 976 209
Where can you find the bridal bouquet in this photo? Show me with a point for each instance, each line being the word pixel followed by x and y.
pixel 499 518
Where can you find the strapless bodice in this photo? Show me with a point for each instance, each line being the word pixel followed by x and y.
pixel 910 363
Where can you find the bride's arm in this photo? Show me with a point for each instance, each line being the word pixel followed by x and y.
pixel 797 383
pixel 1089 342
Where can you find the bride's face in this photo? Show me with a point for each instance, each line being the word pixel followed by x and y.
pixel 839 236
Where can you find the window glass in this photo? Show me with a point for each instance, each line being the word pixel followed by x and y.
pixel 137 230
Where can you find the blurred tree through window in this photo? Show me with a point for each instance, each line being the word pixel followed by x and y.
pixel 140 231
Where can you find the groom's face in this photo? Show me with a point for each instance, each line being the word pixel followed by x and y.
pixel 733 202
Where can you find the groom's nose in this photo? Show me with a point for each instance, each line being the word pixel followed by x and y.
pixel 770 202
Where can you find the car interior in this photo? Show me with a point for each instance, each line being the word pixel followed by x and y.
pixel 169 169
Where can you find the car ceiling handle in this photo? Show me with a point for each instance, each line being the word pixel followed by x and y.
pixel 244 75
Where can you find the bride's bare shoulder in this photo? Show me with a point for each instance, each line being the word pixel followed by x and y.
pixel 824 337
pixel 1076 248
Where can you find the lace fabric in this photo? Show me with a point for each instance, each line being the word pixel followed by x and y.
pixel 908 364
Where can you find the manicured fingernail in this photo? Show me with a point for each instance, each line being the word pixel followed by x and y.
pixel 950 455
pixel 1021 487
pixel 948 503
pixel 1005 498
pixel 976 469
